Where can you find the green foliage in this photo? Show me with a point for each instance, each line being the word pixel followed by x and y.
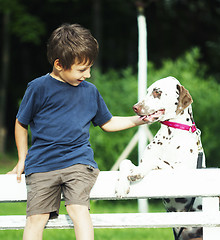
pixel 119 90
pixel 27 27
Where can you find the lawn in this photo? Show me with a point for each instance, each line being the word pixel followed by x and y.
pixel 100 234
pixel 122 206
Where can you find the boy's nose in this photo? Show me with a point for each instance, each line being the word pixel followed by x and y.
pixel 87 73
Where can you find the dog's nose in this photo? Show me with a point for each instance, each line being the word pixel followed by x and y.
pixel 136 108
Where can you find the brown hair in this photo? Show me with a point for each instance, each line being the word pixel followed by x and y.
pixel 71 43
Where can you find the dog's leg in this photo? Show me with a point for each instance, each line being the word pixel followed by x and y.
pixel 123 184
pixel 146 164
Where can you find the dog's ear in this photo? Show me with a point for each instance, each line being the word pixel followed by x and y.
pixel 185 99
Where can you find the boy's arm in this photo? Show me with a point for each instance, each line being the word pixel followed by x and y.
pixel 122 123
pixel 21 139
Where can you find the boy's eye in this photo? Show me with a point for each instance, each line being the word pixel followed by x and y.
pixel 83 70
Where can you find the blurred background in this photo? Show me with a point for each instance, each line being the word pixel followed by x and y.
pixel 183 41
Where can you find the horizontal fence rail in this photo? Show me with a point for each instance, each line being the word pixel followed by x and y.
pixel 157 184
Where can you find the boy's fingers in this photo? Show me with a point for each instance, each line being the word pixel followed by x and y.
pixel 18 178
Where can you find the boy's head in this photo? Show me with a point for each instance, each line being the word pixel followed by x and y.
pixel 72 44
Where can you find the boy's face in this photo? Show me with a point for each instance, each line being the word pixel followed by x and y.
pixel 75 75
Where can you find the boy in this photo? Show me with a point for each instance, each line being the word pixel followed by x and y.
pixel 59 108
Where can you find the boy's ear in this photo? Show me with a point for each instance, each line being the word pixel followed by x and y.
pixel 57 65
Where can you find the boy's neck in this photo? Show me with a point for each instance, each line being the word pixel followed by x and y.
pixel 55 75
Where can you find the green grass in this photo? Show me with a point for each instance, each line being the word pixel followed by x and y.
pixel 100 234
pixel 8 162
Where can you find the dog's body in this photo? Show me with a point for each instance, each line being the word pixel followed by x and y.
pixel 172 148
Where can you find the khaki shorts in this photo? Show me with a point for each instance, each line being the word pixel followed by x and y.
pixel 44 189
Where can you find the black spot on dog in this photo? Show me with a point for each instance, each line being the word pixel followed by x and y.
pixel 190 114
pixel 187 119
pixel 171 209
pixel 156 93
pixel 166 200
pixel 181 200
pixel 169 131
pixel 197 234
pixel 157 168
pixel 166 163
pixel 199 207
pixel 176 103
pixel 178 147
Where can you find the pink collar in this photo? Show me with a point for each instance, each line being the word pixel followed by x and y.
pixel 180 126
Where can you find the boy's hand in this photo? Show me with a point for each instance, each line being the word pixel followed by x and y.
pixel 18 169
pixel 142 120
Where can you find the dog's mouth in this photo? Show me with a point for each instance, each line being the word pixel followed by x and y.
pixel 154 116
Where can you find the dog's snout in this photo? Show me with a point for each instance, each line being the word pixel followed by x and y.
pixel 136 108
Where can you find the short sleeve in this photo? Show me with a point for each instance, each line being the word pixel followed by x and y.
pixel 29 104
pixel 103 114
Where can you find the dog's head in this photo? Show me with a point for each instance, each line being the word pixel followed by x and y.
pixel 165 99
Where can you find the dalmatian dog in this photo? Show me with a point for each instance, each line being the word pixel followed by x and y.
pixel 175 146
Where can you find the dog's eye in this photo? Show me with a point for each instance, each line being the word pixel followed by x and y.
pixel 156 93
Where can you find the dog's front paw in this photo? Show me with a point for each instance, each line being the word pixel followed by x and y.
pixel 135 177
pixel 122 187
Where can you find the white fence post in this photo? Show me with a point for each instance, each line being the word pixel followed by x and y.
pixel 142 88
pixel 211 205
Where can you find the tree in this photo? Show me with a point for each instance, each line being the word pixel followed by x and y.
pixel 4 78
pixel 27 28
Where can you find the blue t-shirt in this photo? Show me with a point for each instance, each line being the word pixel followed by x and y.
pixel 59 116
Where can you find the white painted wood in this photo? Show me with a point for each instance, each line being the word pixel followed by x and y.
pixel 142 90
pixel 10 190
pixel 157 184
pixel 211 206
pixel 142 56
pixel 125 220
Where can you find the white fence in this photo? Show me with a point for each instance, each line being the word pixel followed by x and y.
pixel 158 184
